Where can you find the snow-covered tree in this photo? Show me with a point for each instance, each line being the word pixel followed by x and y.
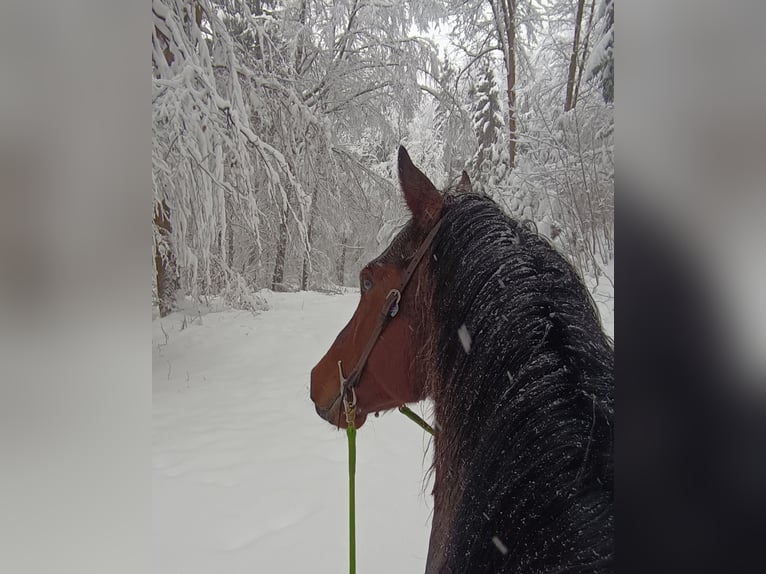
pixel 507 27
pixel 257 111
pixel 276 123
pixel 217 134
pixel 424 145
pixel 558 170
pixel 453 122
pixel 600 63
pixel 489 164
pixel 565 175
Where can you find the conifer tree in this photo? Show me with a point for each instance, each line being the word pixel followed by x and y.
pixel 601 62
pixel 488 166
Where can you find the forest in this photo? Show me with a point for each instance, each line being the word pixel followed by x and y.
pixel 276 125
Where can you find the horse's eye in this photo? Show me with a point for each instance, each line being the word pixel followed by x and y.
pixel 366 284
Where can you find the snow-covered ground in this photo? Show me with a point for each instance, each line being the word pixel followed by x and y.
pixel 247 478
pixel 603 295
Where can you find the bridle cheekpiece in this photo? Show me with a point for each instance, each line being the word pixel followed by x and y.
pixel 389 310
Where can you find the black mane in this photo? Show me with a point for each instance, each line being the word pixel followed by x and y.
pixel 525 412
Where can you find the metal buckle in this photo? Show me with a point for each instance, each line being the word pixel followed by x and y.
pixel 348 407
pixel 394 309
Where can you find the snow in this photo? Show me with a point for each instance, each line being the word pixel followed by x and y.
pixel 247 478
pixel 465 338
pixel 602 292
pixel 500 546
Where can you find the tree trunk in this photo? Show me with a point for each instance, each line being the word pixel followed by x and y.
pixel 508 9
pixel 569 103
pixel 310 239
pixel 300 50
pixel 256 9
pixel 277 282
pixel 229 244
pixel 305 272
pixel 165 267
pixel 342 262
pixel 584 49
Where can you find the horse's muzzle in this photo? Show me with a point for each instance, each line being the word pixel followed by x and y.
pixel 336 417
pixel 325 386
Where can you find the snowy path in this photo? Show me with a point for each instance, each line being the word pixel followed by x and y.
pixel 247 478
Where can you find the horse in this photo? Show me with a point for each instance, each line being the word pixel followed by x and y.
pixel 479 313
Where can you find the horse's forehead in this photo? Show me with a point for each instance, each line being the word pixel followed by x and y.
pixel 398 250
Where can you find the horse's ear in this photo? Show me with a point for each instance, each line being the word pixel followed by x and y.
pixel 422 197
pixel 464 185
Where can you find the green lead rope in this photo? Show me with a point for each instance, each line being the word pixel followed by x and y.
pixel 413 417
pixel 351 434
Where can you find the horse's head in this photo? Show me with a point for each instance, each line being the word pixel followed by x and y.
pixel 387 379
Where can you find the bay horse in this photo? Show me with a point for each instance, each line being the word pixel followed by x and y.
pixel 479 313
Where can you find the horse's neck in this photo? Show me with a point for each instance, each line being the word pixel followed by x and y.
pixel 446 493
pixel 536 379
pixel 456 466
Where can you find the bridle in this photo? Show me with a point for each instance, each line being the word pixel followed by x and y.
pixel 388 311
pixel 347 385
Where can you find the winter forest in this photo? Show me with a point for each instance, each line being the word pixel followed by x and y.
pixel 276 125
